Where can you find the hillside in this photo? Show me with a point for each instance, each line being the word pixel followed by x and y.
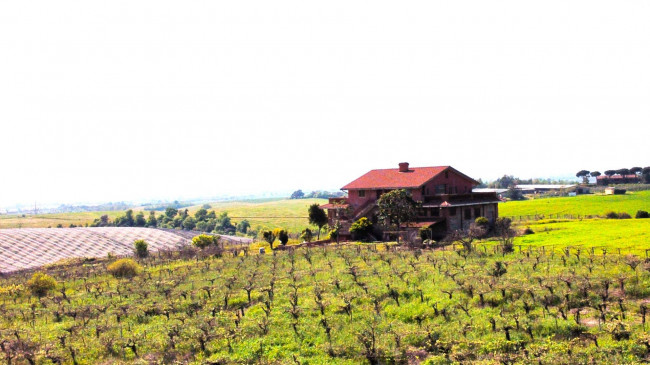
pixel 292 215
pixel 582 205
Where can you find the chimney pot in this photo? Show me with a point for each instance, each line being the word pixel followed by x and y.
pixel 403 167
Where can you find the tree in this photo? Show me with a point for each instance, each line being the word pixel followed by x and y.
pixel 141 248
pixel 623 172
pixel 307 235
pixel 204 240
pixel 298 194
pixel 514 194
pixel 646 174
pixel 466 238
pixel 584 174
pixel 40 284
pixel 171 212
pixel 636 170
pixel 243 226
pixel 152 221
pixel 269 237
pixel 595 174
pixel 139 220
pixel 126 220
pixel 505 233
pixel 361 228
pixel 334 231
pixel 283 236
pixel 317 217
pixel 396 207
pixel 189 223
pixel 200 214
pixel 610 173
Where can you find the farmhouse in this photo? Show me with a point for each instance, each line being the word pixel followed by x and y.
pixel 617 179
pixel 444 195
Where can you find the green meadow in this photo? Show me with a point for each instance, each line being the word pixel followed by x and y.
pixel 592 204
pixel 628 235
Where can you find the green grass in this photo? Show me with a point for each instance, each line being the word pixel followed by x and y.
pixel 596 205
pixel 629 235
pixel 284 208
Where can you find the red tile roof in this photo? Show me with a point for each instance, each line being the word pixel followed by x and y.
pixel 614 177
pixel 393 179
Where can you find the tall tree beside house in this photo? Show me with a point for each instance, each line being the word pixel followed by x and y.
pixel 317 217
pixel 636 170
pixel 595 174
pixel 397 207
pixel 584 174
pixel 610 173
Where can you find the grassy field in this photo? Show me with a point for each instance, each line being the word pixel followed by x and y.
pixel 284 208
pixel 348 304
pixel 579 205
pixel 629 235
pixel 52 220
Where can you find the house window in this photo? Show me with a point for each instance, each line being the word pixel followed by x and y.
pixel 477 212
pixel 468 213
pixel 362 193
pixel 452 211
pixel 440 189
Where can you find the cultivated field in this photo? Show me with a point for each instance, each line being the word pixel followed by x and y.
pixel 339 305
pixel 596 205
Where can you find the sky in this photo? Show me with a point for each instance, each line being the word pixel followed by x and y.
pixel 136 100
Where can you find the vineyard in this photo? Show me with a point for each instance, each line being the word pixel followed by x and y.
pixel 345 304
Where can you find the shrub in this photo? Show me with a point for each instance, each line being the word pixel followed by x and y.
pixel 642 214
pixel 361 228
pixel 141 248
pixel 283 236
pixel 204 240
pixel 124 268
pixel 40 284
pixel 482 221
pixel 528 231
pixel 623 215
pixel 611 215
pixel 307 235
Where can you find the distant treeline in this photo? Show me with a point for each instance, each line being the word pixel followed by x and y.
pixel 317 194
pixel 507 181
pixel 173 218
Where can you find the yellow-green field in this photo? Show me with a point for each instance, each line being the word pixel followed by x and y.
pixel 52 220
pixel 592 204
pixel 629 235
pixel 289 214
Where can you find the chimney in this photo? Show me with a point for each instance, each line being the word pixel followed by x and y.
pixel 403 167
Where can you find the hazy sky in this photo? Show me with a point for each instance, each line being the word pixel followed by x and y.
pixel 131 100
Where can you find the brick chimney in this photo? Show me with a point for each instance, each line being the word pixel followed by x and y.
pixel 403 167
